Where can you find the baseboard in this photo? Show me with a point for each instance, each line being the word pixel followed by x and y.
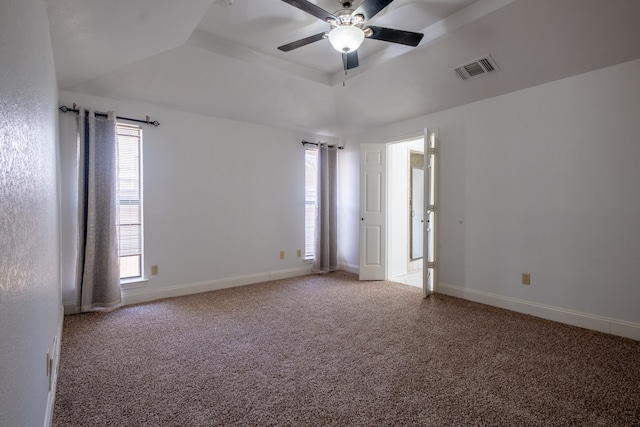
pixel 70 308
pixel 48 419
pixel 139 295
pixel 351 268
pixel 584 320
pixel 293 272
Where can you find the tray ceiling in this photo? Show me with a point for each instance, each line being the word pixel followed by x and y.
pixel 221 59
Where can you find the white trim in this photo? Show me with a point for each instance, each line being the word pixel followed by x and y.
pixel 48 418
pixel 351 268
pixel 69 307
pixel 570 317
pixel 136 295
pixel 292 272
pixel 138 282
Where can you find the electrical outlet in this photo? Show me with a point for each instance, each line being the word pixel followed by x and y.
pixel 526 279
pixel 281 254
pixel 299 253
pixel 154 270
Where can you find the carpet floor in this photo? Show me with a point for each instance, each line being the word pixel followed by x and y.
pixel 332 351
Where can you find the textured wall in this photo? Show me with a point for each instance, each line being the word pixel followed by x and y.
pixel 29 283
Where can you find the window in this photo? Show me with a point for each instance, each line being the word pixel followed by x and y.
pixel 310 200
pixel 129 141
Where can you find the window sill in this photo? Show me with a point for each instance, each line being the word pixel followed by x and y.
pixel 137 282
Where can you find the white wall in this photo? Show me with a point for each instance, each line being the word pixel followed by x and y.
pixel 221 199
pixel 398 187
pixel 398 222
pixel 541 181
pixel 30 304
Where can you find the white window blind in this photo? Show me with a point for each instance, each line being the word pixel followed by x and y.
pixel 129 140
pixel 311 199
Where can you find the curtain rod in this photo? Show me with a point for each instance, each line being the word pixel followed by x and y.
pixel 148 121
pixel 318 143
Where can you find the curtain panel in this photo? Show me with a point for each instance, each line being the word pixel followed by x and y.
pixel 97 264
pixel 326 253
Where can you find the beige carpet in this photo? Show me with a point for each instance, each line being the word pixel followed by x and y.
pixel 332 351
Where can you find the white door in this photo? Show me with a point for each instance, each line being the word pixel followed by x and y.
pixel 373 210
pixel 429 279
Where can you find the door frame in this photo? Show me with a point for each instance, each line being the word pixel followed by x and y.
pixel 429 263
pixel 429 272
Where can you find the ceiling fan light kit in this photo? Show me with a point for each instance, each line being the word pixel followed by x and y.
pixel 346 38
pixel 348 30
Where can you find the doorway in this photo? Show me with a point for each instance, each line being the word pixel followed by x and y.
pixel 384 214
pixel 416 209
pixel 405 219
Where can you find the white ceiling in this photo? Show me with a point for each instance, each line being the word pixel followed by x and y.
pixel 262 26
pixel 208 57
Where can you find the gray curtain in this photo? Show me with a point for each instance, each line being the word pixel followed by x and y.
pixel 326 254
pixel 98 269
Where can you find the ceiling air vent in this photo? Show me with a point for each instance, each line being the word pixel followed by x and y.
pixel 477 68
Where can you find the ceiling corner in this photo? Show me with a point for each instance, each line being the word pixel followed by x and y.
pixel 95 37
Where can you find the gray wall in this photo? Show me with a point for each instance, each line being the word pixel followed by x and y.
pixel 30 303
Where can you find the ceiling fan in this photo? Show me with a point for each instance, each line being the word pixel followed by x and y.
pixel 348 29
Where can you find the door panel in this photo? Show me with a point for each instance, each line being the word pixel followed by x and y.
pixel 373 192
pixel 372 243
pixel 372 211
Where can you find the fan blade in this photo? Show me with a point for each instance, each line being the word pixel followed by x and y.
pixel 370 8
pixel 350 60
pixel 395 36
pixel 302 42
pixel 311 8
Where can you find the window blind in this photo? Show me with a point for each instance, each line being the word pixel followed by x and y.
pixel 311 200
pixel 129 141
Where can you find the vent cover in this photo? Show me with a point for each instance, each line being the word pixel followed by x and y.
pixel 476 68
